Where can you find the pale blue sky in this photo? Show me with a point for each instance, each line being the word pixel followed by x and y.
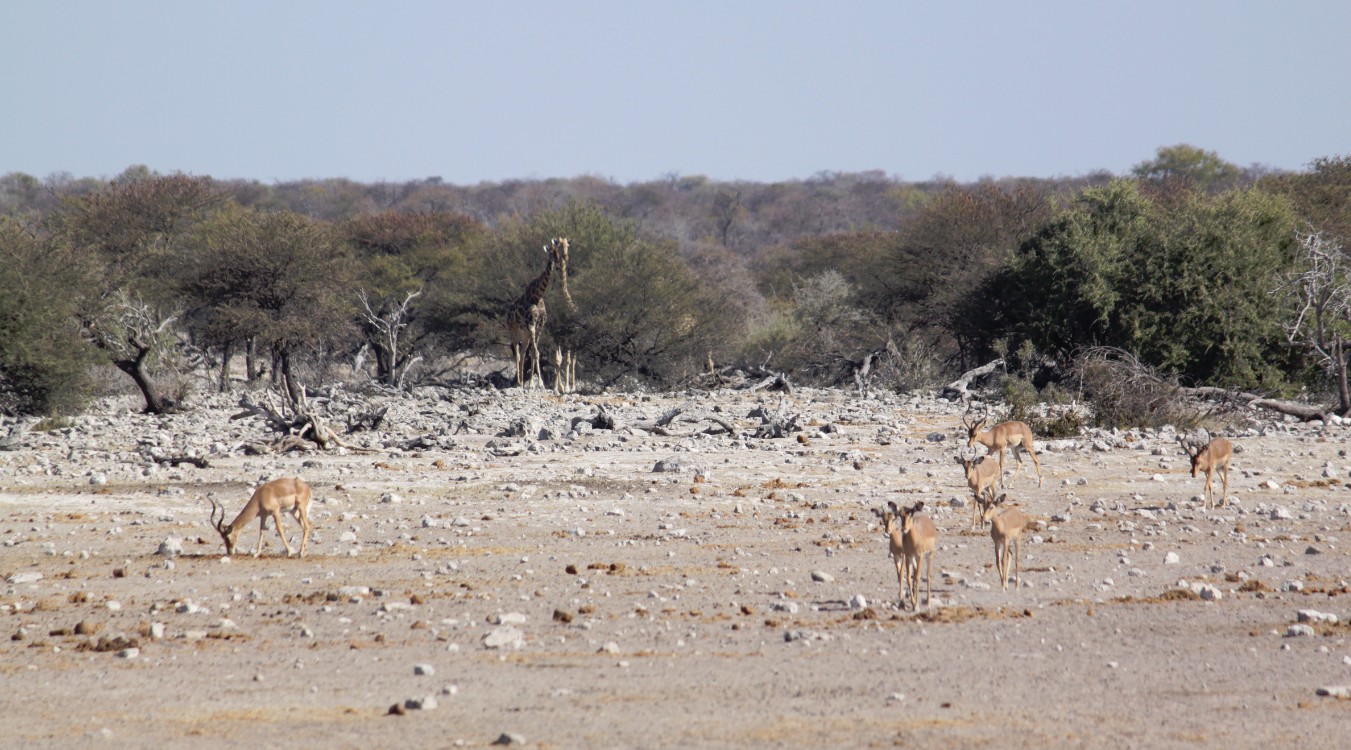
pixel 278 90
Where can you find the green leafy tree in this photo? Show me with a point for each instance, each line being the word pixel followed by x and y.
pixel 43 362
pixel 130 235
pixel 639 311
pixel 411 265
pixel 276 278
pixel 1201 169
pixel 1185 285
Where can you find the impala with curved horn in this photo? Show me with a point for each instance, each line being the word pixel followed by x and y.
pixel 291 495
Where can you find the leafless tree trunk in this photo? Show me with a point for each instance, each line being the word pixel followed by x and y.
pixel 1320 292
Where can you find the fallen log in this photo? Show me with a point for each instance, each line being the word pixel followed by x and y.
pixel 961 387
pixel 1302 412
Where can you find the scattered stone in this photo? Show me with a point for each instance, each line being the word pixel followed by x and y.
pixel 1340 692
pixel 1300 631
pixel 821 576
pixel 510 618
pixel 858 602
pixel 424 669
pixel 1208 592
pixel 22 578
pixel 509 738
pixel 425 703
pixel 170 547
pixel 504 637
pixel 1171 558
pixel 668 466
pixel 1313 615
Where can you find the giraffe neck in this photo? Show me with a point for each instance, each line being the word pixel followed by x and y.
pixel 534 291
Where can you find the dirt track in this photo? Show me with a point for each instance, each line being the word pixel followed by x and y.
pixel 663 611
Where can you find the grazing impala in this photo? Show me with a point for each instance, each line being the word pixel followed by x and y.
pixel 1006 527
pixel 291 495
pixel 1212 459
pixel 1016 436
pixel 912 538
pixel 980 477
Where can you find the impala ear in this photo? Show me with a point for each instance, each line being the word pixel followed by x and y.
pixel 892 504
pixel 917 507
pixel 1002 497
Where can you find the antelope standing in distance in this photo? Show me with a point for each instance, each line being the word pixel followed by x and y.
pixel 1006 528
pixel 290 494
pixel 1212 458
pixel 912 539
pixel 980 477
pixel 1016 436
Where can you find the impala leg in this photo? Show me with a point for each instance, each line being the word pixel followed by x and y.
pixel 1017 451
pixel 1224 479
pixel 305 537
pixel 281 532
pixel 1035 463
pixel 929 580
pixel 1017 570
pixel 900 581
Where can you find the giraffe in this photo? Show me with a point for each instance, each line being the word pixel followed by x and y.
pixel 527 314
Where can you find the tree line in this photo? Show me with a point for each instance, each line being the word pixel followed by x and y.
pixel 1204 270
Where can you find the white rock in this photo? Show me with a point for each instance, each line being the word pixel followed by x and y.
pixel 1171 558
pixel 821 576
pixel 504 637
pixel 857 601
pixel 1340 692
pixel 510 618
pixel 1208 593
pixel 1299 631
pixel 21 578
pixel 424 669
pixel 1313 615
pixel 170 547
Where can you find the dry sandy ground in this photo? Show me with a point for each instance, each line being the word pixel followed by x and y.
pixel 654 610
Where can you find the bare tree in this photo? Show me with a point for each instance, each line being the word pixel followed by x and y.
pixel 384 327
pixel 133 332
pixel 1320 292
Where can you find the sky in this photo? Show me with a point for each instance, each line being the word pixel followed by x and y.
pixel 635 90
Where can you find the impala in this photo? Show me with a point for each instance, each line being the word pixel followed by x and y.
pixel 1212 459
pixel 1006 528
pixel 290 495
pixel 1016 436
pixel 980 477
pixel 912 538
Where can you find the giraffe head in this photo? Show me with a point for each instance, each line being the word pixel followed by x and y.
pixel 558 255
